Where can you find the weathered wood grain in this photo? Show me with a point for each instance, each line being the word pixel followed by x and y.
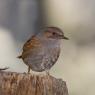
pixel 28 84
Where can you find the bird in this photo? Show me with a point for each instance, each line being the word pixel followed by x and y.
pixel 42 50
pixel 2 69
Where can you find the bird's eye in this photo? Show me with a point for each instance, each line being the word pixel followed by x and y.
pixel 54 33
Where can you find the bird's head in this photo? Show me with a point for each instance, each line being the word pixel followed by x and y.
pixel 54 33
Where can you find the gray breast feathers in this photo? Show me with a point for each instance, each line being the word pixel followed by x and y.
pixel 51 57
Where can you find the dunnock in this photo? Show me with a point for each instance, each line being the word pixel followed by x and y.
pixel 42 50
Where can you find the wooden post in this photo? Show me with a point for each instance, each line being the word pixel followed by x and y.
pixel 27 84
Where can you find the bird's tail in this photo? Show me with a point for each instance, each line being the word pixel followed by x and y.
pixel 19 57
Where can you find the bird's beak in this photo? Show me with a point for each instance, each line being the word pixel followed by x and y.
pixel 65 38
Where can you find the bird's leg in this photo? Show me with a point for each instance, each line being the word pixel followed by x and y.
pixel 47 73
pixel 29 70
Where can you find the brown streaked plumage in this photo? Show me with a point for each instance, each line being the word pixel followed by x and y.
pixel 41 51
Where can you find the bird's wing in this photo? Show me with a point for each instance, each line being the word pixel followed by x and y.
pixel 33 42
pixel 33 54
pixel 33 46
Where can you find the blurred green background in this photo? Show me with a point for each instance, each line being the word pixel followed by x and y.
pixel 19 19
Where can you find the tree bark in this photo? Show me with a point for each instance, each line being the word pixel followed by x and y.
pixel 27 84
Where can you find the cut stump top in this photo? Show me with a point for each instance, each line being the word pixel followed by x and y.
pixel 12 83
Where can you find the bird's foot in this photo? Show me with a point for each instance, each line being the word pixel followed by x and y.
pixel 28 70
pixel 47 73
